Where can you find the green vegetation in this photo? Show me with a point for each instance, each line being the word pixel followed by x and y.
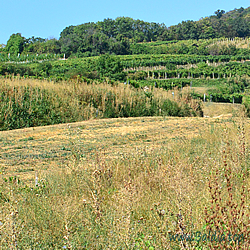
pixel 133 52
pixel 225 78
pixel 30 103
pixel 122 35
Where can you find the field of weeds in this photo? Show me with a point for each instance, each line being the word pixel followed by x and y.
pixel 126 183
pixel 31 103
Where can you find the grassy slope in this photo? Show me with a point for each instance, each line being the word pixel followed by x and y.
pixel 122 182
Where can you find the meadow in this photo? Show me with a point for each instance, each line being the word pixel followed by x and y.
pixel 156 182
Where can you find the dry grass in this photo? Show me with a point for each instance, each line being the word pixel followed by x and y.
pixel 25 151
pixel 127 183
pixel 212 109
pixel 123 184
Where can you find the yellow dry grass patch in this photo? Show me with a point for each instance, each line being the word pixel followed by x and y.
pixel 212 109
pixel 149 175
pixel 51 148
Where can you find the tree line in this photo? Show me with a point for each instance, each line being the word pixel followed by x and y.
pixel 121 35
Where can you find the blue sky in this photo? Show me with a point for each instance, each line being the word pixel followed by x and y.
pixel 47 18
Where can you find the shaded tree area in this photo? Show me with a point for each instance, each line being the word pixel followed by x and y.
pixel 15 44
pixel 119 36
pixel 18 44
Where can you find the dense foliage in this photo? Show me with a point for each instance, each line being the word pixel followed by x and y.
pixel 122 35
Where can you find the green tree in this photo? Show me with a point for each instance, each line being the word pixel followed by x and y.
pixel 15 44
pixel 219 13
pixel 110 66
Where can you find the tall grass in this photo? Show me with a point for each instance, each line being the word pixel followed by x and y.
pixel 149 198
pixel 28 103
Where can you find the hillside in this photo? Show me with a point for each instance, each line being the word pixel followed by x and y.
pixel 125 134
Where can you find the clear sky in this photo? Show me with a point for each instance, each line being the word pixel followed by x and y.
pixel 47 18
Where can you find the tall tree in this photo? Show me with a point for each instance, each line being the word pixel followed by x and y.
pixel 15 44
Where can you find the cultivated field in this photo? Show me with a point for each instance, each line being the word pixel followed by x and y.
pixel 126 183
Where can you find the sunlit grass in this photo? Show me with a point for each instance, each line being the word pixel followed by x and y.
pixel 126 183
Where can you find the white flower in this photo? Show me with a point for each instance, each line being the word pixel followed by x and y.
pixel 163 212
